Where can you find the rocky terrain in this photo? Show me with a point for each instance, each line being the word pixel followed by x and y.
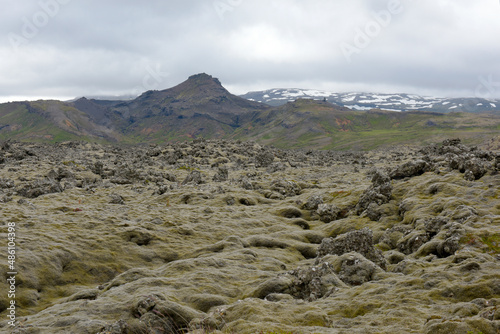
pixel 219 236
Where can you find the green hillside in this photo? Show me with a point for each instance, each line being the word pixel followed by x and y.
pixel 16 122
pixel 201 107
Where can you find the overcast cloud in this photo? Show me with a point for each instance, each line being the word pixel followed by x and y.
pixel 68 48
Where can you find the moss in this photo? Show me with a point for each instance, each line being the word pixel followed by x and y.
pixel 492 242
pixel 466 293
pixel 357 310
pixel 187 168
pixel 278 332
pixel 488 243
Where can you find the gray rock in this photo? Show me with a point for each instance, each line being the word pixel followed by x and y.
pixel 286 188
pixel 6 183
pixel 194 177
pixel 40 187
pixel 312 283
pixel 434 225
pixel 412 242
pixel 327 212
pixel 356 269
pixel 245 183
pixel 360 241
pixel 221 175
pixel 313 202
pixel 116 199
pixel 410 169
pixel 378 193
pixel 264 159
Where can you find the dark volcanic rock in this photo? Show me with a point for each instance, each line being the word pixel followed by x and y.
pixel 328 212
pixel 194 177
pixel 360 241
pixel 378 193
pixel 356 269
pixel 40 187
pixel 221 175
pixel 286 188
pixel 264 159
pixel 6 183
pixel 471 161
pixel 116 199
pixel 314 282
pixel 410 169
pixel 313 202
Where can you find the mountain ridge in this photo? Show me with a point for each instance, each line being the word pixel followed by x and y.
pixel 200 107
pixel 367 101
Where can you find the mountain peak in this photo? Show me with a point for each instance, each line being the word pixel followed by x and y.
pixel 203 78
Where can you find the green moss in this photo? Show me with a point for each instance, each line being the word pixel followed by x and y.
pixel 187 168
pixel 280 332
pixel 354 310
pixel 492 242
pixel 487 243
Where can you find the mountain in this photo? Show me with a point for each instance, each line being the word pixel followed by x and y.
pixel 312 123
pixel 126 97
pixel 368 101
pixel 201 107
pixel 53 121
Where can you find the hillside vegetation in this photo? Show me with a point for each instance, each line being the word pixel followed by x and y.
pixel 201 107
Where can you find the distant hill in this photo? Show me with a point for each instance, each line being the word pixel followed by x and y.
pixel 312 123
pixel 201 107
pixel 368 101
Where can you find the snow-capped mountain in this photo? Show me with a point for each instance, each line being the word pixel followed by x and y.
pixel 368 101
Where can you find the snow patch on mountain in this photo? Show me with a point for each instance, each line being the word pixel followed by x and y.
pixel 368 101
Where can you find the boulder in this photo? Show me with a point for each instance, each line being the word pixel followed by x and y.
pixel 360 241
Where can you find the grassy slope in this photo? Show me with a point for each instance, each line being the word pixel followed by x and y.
pixel 302 124
pixel 24 125
pixel 305 124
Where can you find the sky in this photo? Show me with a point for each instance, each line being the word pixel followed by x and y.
pixel 64 49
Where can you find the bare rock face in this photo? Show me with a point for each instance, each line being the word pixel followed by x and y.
pixel 216 236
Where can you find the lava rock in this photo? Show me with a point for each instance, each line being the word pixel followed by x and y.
pixel 221 175
pixel 264 159
pixel 410 169
pixel 360 241
pixel 40 187
pixel 328 212
pixel 379 192
pixel 194 177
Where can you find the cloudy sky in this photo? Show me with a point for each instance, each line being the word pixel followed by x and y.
pixel 68 48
